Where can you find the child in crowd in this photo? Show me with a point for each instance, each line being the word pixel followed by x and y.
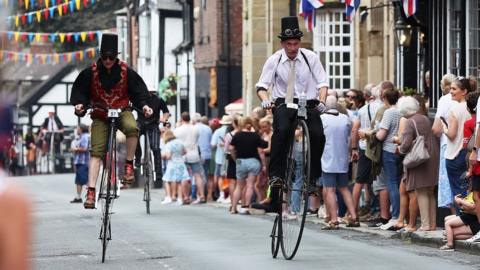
pixel 176 171
pixel 82 156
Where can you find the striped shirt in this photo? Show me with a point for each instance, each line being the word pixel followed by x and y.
pixel 390 122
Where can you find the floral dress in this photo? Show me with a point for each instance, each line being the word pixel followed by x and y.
pixel 176 170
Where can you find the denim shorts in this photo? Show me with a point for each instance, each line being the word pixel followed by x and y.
pixel 247 167
pixel 195 167
pixel 81 174
pixel 338 180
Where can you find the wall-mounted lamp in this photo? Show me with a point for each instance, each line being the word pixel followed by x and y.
pixel 403 33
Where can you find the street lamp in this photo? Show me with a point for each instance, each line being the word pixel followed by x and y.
pixel 403 33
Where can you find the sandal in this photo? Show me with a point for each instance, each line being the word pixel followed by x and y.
pixel 446 247
pixel 351 223
pixel 331 226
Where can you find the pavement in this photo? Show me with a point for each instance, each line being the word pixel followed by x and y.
pixel 423 238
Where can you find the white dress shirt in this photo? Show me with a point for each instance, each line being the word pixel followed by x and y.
pixel 276 73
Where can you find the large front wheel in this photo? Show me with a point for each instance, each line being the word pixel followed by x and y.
pixel 295 192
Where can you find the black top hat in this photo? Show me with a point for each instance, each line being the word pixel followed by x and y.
pixel 109 44
pixel 290 28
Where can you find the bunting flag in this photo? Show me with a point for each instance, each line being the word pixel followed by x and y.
pixel 409 7
pixel 307 11
pixel 31 4
pixel 351 7
pixel 77 36
pixel 42 58
pixel 48 12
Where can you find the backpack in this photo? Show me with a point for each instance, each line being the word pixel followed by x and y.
pixel 374 147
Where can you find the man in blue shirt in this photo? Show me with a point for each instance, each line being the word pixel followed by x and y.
pixel 82 157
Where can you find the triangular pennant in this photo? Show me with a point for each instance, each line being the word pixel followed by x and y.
pixel 17 21
pixel 24 36
pixel 9 35
pixel 60 10
pixel 62 37
pixel 91 35
pixel 85 3
pixel 16 35
pixel 80 55
pixel 26 4
pixel 72 6
pixel 23 19
pixel 45 37
pixel 53 37
pixel 69 37
pixel 30 17
pixel 47 3
pixel 78 4
pixel 76 37
pixel 65 8
pixel 83 35
pixel 31 36
pixel 45 14
pixel 39 16
pixel 52 12
pixel 37 37
pixel 56 58
pixel 32 3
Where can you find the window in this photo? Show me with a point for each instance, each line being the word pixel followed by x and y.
pixel 473 49
pixel 333 39
pixel 145 41
pixel 455 36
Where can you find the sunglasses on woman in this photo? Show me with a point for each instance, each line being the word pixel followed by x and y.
pixel 109 57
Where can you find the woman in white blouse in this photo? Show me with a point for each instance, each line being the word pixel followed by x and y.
pixel 455 154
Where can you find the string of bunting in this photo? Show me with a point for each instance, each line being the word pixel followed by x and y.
pixel 60 9
pixel 51 58
pixel 53 37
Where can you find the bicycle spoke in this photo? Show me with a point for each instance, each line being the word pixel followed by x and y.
pixel 295 192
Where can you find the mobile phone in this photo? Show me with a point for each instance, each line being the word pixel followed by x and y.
pixel 444 121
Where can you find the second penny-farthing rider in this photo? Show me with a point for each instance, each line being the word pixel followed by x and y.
pixel 293 71
pixel 109 83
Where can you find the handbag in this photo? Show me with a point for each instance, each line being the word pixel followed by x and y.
pixel 418 153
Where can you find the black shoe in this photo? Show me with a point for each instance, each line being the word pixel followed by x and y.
pixel 76 200
pixel 380 222
pixel 268 207
pixel 137 164
pixel 312 213
pixel 275 181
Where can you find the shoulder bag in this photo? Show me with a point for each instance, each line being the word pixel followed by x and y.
pixel 418 154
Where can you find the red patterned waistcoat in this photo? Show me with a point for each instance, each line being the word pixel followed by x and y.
pixel 116 98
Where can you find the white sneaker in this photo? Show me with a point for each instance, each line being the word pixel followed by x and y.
pixel 322 212
pixel 242 210
pixel 220 199
pixel 179 202
pixel 388 225
pixel 227 201
pixel 475 238
pixel 167 200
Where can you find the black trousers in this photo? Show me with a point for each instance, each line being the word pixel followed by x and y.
pixel 153 134
pixel 284 123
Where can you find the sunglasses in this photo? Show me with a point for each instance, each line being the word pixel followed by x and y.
pixel 291 32
pixel 109 57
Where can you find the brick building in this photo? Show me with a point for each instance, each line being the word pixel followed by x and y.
pixel 218 54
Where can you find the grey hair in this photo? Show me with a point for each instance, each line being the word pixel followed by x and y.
pixel 376 92
pixel 447 80
pixel 408 106
pixel 368 87
pixel 331 102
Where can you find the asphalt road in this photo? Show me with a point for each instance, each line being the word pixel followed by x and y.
pixel 199 237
